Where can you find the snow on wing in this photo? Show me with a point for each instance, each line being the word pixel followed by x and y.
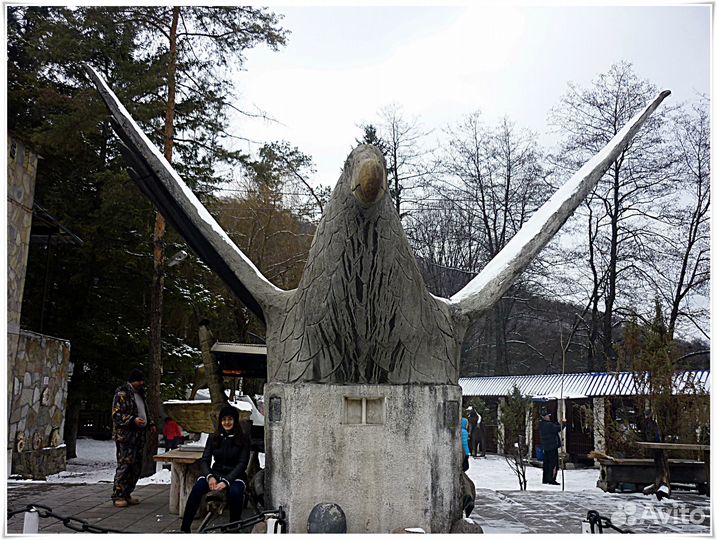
pixel 488 286
pixel 162 185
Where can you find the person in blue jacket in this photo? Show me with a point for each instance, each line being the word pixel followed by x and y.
pixel 464 438
pixel 467 486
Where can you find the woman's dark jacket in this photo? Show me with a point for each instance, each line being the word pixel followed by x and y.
pixel 231 457
pixel 549 435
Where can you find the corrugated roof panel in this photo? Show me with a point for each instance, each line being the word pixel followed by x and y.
pixel 576 385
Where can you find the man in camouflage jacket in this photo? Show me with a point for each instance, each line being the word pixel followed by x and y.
pixel 130 422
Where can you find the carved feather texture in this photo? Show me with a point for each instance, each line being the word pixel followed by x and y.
pixel 361 312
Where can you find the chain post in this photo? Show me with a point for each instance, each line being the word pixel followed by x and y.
pixel 31 523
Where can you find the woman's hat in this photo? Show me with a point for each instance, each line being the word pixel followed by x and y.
pixel 228 410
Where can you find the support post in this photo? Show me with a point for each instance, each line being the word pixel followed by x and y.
pixel 501 434
pixel 599 441
pixel 563 435
pixel 529 431
pixel 31 523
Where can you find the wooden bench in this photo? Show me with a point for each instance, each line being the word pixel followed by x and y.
pixel 615 474
pixel 662 485
pixel 185 471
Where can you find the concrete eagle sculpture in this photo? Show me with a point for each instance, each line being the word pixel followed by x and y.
pixel 361 312
pixel 363 361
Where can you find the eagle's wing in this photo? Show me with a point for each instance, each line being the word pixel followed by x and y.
pixel 163 186
pixel 487 287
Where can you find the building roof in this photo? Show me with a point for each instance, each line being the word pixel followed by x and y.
pixel 241 359
pixel 239 348
pixel 578 385
pixel 45 226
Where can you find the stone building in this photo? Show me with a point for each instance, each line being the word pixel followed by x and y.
pixel 38 367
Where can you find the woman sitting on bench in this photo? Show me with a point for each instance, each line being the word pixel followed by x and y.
pixel 229 449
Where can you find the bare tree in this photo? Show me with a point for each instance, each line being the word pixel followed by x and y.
pixel 618 216
pixel 676 268
pixel 409 167
pixel 495 178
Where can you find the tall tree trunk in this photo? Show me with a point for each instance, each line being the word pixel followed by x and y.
pixel 157 295
pixel 502 364
pixel 611 289
pixel 215 381
pixel 72 414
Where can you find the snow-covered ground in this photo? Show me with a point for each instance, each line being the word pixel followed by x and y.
pixel 96 462
pixel 493 472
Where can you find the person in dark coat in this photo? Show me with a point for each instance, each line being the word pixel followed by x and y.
pixel 222 467
pixel 474 421
pixel 130 422
pixel 550 441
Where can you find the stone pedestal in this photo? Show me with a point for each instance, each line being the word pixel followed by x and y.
pixel 38 464
pixel 388 455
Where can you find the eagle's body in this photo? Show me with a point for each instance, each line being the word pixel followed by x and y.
pixel 361 312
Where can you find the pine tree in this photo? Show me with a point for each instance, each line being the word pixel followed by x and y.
pixel 97 294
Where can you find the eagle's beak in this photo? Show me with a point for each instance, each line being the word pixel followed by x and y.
pixel 368 183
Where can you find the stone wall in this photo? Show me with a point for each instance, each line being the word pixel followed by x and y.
pixel 21 169
pixel 38 367
pixel 388 455
pixel 38 375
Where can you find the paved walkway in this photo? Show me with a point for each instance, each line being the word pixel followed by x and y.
pixel 497 511
pixel 563 512
pixel 92 503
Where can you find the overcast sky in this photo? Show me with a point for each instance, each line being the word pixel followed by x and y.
pixel 342 64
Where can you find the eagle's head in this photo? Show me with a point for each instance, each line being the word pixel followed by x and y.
pixel 366 175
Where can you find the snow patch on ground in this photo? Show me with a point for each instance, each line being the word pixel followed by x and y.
pixel 493 472
pixel 162 477
pixel 96 463
pixel 503 527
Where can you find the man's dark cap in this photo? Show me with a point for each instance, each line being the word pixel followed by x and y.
pixel 135 375
pixel 544 411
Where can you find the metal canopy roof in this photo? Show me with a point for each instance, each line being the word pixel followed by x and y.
pixel 45 227
pixel 578 385
pixel 241 359
pixel 239 348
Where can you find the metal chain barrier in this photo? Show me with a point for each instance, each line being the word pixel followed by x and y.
pixel 80 525
pixel 71 522
pixel 279 517
pixel 599 522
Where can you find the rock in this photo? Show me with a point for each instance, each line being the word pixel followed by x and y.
pixel 466 526
pixel 326 518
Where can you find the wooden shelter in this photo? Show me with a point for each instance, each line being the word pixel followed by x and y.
pixel 588 401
